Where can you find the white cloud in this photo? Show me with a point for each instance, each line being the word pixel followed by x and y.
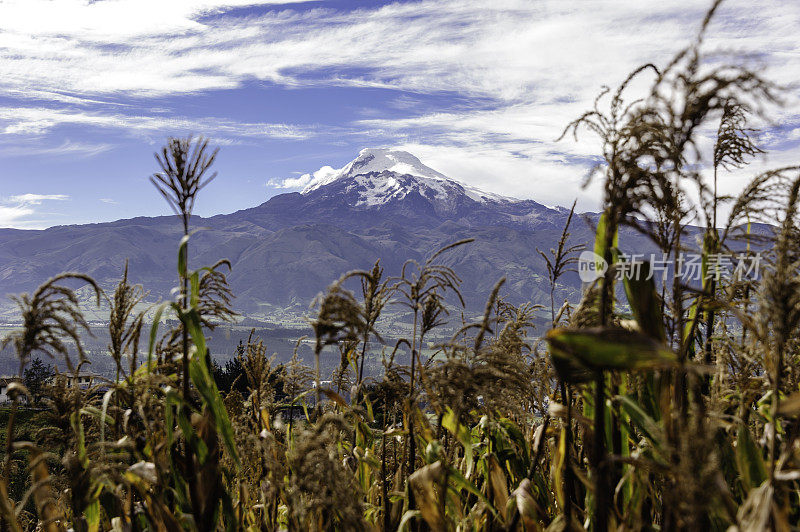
pixel 530 67
pixel 99 21
pixel 39 120
pixel 36 199
pixel 304 180
pixel 109 201
pixel 17 211
pixel 519 173
pixel 10 215
pixel 511 50
pixel 68 148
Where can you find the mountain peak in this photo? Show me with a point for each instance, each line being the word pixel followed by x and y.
pixel 379 176
pixel 401 162
pixel 374 160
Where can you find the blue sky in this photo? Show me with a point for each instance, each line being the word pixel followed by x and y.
pixel 89 90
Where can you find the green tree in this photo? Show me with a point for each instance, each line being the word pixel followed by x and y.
pixel 36 377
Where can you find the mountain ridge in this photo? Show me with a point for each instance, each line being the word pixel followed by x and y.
pixel 290 247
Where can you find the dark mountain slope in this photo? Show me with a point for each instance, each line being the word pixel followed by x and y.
pixel 384 204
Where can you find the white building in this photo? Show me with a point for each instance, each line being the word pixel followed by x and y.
pixel 5 381
pixel 83 379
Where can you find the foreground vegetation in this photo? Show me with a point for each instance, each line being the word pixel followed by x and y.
pixel 652 404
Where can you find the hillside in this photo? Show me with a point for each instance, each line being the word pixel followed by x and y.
pixel 383 205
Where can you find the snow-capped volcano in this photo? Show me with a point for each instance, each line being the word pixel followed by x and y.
pixel 384 204
pixel 377 160
pixel 379 176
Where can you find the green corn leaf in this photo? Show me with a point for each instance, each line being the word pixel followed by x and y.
pixel 151 346
pixel 642 422
pixel 204 382
pixel 77 428
pixel 183 248
pixel 599 242
pixel 511 447
pixel 462 434
pixel 169 423
pixel 749 460
pixel 194 290
pixel 690 329
pixel 370 414
pixel 645 302
pixel 605 348
pixel 98 414
pixel 460 482
pixel 174 403
pixel 189 434
pixel 92 516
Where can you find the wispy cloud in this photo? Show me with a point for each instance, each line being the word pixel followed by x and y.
pixel 304 180
pixel 40 120
pixel 18 210
pixel 66 148
pixel 529 67
pixel 36 199
pixel 510 50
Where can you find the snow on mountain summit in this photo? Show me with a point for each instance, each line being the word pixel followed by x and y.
pixel 377 160
pixel 378 176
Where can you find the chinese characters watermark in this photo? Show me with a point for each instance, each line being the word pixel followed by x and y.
pixel 687 266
